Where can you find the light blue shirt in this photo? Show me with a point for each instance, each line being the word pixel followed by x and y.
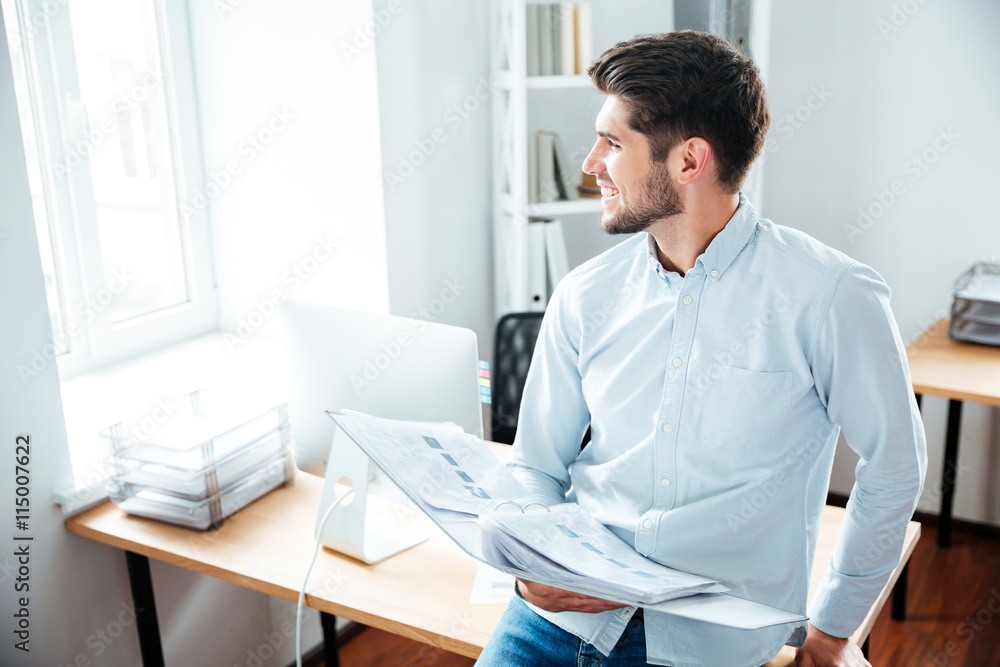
pixel 715 401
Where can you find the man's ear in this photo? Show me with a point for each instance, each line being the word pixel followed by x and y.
pixel 693 157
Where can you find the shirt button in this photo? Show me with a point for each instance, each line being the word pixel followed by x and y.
pixel 647 524
pixel 714 274
pixel 688 300
pixel 665 482
pixel 677 362
pixel 667 428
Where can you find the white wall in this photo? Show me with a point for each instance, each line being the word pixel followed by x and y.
pixel 75 587
pixel 896 85
pixel 434 91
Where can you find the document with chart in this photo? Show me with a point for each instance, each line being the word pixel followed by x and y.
pixel 454 479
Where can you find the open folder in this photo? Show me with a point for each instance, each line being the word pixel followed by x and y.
pixel 454 479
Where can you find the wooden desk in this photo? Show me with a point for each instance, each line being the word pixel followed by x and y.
pixel 422 593
pixel 940 366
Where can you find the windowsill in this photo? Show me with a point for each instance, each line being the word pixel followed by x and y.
pixel 151 388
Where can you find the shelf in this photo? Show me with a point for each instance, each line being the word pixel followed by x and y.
pixel 565 207
pixel 503 79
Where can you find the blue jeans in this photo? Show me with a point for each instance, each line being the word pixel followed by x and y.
pixel 525 639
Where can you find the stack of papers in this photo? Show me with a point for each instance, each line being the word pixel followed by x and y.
pixel 473 498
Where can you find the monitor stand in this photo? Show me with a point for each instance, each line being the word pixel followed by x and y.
pixel 367 528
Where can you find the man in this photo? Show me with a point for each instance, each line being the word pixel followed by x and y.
pixel 716 358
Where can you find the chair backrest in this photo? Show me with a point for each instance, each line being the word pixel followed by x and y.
pixel 513 346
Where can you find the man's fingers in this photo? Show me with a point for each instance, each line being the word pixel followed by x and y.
pixel 551 598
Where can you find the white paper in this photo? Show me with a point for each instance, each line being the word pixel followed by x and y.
pixel 491 586
pixel 566 541
pixel 438 464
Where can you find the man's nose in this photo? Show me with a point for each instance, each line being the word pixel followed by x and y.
pixel 594 162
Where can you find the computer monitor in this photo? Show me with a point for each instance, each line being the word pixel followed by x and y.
pixel 383 365
pixel 386 366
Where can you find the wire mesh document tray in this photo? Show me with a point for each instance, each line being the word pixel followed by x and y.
pixel 975 309
pixel 152 503
pixel 203 465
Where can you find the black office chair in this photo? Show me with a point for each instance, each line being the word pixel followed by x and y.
pixel 513 346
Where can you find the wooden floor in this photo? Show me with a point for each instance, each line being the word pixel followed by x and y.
pixel 953 616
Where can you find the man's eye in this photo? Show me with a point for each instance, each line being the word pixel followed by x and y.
pixel 612 144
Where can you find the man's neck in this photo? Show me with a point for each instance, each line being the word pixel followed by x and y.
pixel 681 239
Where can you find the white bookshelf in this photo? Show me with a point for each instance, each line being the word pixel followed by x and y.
pixel 523 104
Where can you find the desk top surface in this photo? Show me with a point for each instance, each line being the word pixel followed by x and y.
pixel 940 366
pixel 421 593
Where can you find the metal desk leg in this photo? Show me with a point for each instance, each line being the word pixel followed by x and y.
pixel 145 610
pixel 950 472
pixel 899 595
pixel 330 653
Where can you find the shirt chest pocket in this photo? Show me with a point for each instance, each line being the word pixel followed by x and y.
pixel 740 409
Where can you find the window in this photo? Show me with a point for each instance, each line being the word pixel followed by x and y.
pixel 106 98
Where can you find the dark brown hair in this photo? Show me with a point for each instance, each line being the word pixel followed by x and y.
pixel 687 84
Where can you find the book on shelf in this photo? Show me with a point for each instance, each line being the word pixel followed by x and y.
pixel 565 173
pixel 474 499
pixel 546 40
pixel 533 41
pixel 548 188
pixel 584 37
pixel 567 38
pixel 558 38
pixel 551 176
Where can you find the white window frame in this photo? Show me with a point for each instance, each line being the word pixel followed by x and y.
pixel 96 340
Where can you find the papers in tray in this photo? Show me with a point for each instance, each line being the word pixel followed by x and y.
pixel 472 497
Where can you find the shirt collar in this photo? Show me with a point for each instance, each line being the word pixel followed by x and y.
pixel 726 245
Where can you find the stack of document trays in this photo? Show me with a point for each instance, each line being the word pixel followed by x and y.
pixel 975 310
pixel 197 469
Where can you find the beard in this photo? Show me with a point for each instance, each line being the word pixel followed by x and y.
pixel 657 200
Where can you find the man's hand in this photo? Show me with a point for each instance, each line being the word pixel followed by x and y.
pixel 823 650
pixel 551 598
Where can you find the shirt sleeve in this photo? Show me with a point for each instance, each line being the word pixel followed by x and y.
pixel 862 375
pixel 553 415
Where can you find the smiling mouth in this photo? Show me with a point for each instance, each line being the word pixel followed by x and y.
pixel 607 192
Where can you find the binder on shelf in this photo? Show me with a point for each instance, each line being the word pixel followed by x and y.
pixel 532 169
pixel 584 37
pixel 567 39
pixel 538 293
pixel 555 253
pixel 546 49
pixel 532 41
